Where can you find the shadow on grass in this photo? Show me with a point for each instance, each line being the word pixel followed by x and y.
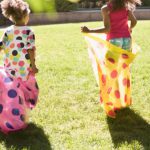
pixel 129 127
pixel 32 138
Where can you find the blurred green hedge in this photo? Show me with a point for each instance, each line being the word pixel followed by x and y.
pixel 64 6
pixel 146 2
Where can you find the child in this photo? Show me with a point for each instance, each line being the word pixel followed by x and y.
pixel 18 87
pixel 115 16
pixel 111 62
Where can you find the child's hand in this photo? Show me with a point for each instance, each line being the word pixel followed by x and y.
pixel 85 29
pixel 130 29
pixel 34 70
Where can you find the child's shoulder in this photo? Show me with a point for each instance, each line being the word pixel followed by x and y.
pixel 8 29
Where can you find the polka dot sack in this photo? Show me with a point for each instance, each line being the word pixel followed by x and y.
pixel 16 99
pixel 111 66
pixel 18 87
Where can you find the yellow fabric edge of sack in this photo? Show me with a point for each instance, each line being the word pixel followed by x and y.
pixel 114 48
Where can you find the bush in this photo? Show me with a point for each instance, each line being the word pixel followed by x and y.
pixel 145 2
pixel 64 6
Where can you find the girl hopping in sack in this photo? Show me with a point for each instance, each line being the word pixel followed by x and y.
pixel 18 86
pixel 113 70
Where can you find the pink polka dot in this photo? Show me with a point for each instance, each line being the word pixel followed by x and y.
pixel 18 45
pixel 24 31
pixel 124 65
pixel 104 79
pixel 17 32
pixel 117 94
pixel 111 60
pixel 24 51
pixel 12 45
pixel 109 90
pixel 29 45
pixel 114 74
pixel 124 81
pixel 21 63
pixel 125 56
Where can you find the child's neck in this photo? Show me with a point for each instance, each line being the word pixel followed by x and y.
pixel 20 24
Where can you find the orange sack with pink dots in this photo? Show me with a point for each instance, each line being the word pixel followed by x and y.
pixel 111 66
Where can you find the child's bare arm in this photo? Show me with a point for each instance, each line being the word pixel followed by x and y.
pixel 133 20
pixel 106 21
pixel 32 60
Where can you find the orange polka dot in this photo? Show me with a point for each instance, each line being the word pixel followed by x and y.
pixel 14 63
pixel 109 103
pixel 6 60
pixel 12 45
pixel 114 74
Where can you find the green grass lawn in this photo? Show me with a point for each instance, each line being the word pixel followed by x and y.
pixel 68 115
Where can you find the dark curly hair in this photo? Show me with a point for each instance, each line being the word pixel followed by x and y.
pixel 14 9
pixel 129 4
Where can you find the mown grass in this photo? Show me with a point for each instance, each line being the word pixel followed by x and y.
pixel 68 115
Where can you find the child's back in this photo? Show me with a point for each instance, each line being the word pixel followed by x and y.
pixel 118 23
pixel 16 41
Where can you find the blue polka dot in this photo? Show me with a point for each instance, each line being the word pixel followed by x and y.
pixel 12 93
pixel 7 80
pixel 9 125
pixel 1 108
pixel 15 112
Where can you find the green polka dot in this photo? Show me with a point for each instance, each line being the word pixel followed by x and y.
pixel 16 59
pixel 22 68
pixel 25 36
